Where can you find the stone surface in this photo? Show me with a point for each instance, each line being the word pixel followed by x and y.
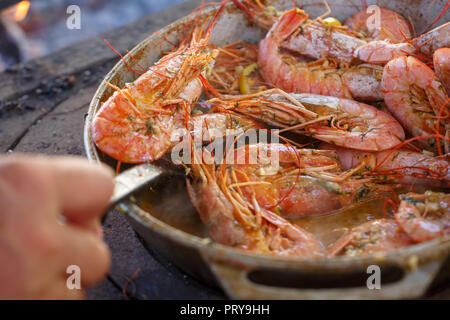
pixel 152 280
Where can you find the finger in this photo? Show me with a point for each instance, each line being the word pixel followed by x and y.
pixel 95 226
pixel 45 251
pixel 84 188
pixel 26 190
pixel 72 185
pixel 86 251
pixel 63 185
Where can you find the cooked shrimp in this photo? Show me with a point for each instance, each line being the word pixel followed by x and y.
pixel 424 216
pixel 376 236
pixel 393 26
pixel 314 38
pixel 441 61
pixel 415 96
pixel 433 40
pixel 408 167
pixel 382 51
pixel 342 122
pixel 242 223
pixel 354 41
pixel 210 126
pixel 385 42
pixel 317 39
pixel 135 124
pixel 321 77
pixel 303 182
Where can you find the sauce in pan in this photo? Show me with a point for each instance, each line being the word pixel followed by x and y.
pixel 168 201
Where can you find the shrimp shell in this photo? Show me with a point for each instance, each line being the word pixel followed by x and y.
pixel 415 96
pixel 367 128
pixel 441 61
pixel 393 26
pixel 424 217
pixel 409 167
pixel 376 236
pixel 284 72
pixel 234 222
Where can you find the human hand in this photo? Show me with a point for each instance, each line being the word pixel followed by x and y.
pixel 36 243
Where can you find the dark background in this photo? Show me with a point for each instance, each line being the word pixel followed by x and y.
pixel 43 30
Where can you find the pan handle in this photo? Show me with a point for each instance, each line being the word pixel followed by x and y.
pixel 237 285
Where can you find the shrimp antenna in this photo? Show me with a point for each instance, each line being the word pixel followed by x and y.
pixel 123 59
pixel 444 10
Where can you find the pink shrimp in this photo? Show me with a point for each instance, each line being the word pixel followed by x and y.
pixel 408 167
pixel 316 39
pixel 320 77
pixel 339 121
pixel 242 223
pixel 211 126
pixel 382 51
pixel 415 96
pixel 303 182
pixel 392 38
pixel 424 216
pixel 385 42
pixel 441 60
pixel 393 26
pixel 353 42
pixel 313 39
pixel 376 236
pixel 135 124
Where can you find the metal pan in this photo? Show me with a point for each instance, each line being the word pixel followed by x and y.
pixel 165 219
